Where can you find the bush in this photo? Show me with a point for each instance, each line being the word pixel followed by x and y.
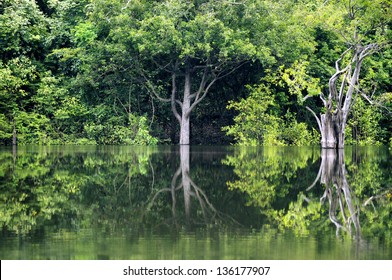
pixel 5 130
pixel 258 123
pixel 32 128
pixel 363 125
pixel 135 133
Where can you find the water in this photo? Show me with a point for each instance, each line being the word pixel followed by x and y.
pixel 121 202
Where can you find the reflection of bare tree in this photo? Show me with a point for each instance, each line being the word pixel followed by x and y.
pixel 337 191
pixel 181 181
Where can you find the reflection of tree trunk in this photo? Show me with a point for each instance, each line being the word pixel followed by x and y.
pixel 186 180
pixel 337 191
pixel 190 190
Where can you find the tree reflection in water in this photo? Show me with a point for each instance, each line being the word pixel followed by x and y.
pixel 337 191
pixel 182 182
pixel 135 196
pixel 354 196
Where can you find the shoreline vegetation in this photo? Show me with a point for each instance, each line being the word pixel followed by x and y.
pixel 249 72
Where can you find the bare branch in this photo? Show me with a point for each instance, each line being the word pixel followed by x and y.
pixel 173 98
pixel 322 97
pixel 122 104
pixel 332 81
pixel 340 58
pixel 370 100
pixel 202 85
pixel 317 178
pixel 197 101
pixel 126 5
pixel 217 77
pixel 352 82
pixel 152 88
pixel 370 199
pixel 368 50
pixel 306 97
pixel 341 91
pixel 317 118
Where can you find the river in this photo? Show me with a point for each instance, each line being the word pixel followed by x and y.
pixel 195 202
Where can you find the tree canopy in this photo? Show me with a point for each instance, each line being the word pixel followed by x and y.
pixel 133 72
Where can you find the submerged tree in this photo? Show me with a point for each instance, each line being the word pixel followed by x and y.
pixel 365 29
pixel 184 47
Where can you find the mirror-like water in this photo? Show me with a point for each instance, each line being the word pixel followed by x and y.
pixel 115 202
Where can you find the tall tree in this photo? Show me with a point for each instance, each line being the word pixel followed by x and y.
pixel 182 48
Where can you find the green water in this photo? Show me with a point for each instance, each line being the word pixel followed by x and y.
pixel 117 202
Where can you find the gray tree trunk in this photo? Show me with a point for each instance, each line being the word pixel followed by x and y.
pixel 204 76
pixel 333 127
pixel 185 116
pixel 332 123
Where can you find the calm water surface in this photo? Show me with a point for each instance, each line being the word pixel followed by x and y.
pixel 114 202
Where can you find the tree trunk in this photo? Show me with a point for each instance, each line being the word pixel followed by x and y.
pixel 332 130
pixel 185 130
pixel 185 116
pixel 14 137
pixel 332 123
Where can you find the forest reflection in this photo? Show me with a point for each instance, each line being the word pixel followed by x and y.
pixel 135 192
pixel 355 196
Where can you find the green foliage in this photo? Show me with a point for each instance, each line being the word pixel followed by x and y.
pixel 258 122
pixel 255 124
pixel 301 215
pixel 363 127
pixel 297 133
pixel 135 133
pixel 298 80
pixel 42 185
pixel 269 174
pixel 32 128
pixel 78 68
pixel 5 129
pixel 23 28
pixel 179 29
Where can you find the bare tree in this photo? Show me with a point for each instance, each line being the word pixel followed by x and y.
pixel 342 86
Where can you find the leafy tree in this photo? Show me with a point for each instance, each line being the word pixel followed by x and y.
pixel 191 45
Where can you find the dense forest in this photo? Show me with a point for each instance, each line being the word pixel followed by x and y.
pixel 252 72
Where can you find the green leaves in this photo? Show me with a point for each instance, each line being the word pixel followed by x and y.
pixel 84 34
pixel 23 28
pixel 299 82
pixel 260 121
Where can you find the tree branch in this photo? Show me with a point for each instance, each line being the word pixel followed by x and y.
pixel 173 98
pixel 199 99
pixel 202 85
pixel 317 118
pixel 152 88
pixel 368 50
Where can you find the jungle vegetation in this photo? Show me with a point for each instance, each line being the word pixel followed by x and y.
pixel 253 72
